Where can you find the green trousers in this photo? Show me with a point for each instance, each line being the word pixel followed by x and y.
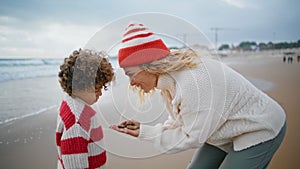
pixel 255 157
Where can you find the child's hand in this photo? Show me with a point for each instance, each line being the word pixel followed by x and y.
pixel 129 127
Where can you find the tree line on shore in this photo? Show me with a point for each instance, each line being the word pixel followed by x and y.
pixel 254 46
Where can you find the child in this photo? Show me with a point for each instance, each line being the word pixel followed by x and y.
pixel 79 138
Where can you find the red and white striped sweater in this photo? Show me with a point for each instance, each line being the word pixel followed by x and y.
pixel 79 138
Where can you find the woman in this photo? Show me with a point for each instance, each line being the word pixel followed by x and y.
pixel 210 106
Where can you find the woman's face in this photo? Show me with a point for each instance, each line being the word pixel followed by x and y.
pixel 141 78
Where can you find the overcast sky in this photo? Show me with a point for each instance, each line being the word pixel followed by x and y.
pixel 54 28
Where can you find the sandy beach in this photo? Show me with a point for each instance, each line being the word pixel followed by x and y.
pixel 286 91
pixel 29 143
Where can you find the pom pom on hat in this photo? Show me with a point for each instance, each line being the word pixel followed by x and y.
pixel 140 46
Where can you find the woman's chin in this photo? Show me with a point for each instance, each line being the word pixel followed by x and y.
pixel 148 90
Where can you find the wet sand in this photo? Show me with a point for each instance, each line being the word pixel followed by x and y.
pixel 29 143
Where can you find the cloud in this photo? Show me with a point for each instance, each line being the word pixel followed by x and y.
pixel 8 19
pixel 55 28
pixel 239 3
pixel 46 40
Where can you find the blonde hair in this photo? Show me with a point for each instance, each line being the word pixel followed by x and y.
pixel 177 60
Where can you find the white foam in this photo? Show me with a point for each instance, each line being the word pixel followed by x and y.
pixel 10 120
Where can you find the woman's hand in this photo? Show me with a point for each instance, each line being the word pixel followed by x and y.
pixel 129 127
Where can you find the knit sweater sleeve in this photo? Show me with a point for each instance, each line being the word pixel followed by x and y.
pixel 74 147
pixel 191 108
pixel 172 140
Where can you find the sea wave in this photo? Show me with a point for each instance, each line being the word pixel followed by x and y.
pixel 29 62
pixel 25 72
pixel 14 69
pixel 43 110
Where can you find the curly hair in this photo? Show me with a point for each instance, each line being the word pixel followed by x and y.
pixel 85 70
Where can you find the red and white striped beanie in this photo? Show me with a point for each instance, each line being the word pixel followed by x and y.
pixel 140 46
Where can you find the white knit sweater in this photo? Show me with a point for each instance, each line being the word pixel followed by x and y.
pixel 212 103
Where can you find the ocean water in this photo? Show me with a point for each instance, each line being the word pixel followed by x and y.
pixel 30 87
pixel 14 69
